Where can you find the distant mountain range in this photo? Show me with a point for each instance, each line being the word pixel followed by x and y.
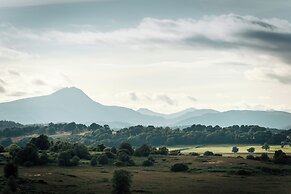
pixel 72 104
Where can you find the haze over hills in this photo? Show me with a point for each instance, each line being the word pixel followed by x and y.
pixel 72 104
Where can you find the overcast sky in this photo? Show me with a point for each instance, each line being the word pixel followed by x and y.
pixel 165 55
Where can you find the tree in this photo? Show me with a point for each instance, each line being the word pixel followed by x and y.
pixel 2 149
pixel 208 153
pixel 74 161
pixel 81 151
pixel 41 142
pixel 266 146
pixel 28 154
pixel 11 184
pixel 114 150
pixel 142 151
pixel 93 161
pixel 100 147
pixel 163 151
pixel 148 163
pixel 10 169
pixel 103 159
pixel 126 146
pixel 64 158
pixel 13 149
pixel 121 182
pixel 179 167
pixel 251 150
pixel 235 149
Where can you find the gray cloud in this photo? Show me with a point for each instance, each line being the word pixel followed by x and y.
pixel 166 99
pixel 193 99
pixel 18 94
pixel 2 82
pixel 2 89
pixel 12 72
pixel 39 82
pixel 281 78
pixel 133 96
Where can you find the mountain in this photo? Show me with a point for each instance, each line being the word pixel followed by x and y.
pixel 70 104
pixel 271 119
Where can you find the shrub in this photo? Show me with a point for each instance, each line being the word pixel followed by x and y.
pixel 179 167
pixel 113 150
pixel 2 149
pixel 151 159
pixel 126 146
pixel 235 149
pixel 41 142
pixel 163 151
pixel 119 164
pixel 103 159
pixel 280 157
pixel 250 157
pixel 93 161
pixel 264 157
pixel 28 154
pixel 64 158
pixel 11 184
pixel 10 169
pixel 123 157
pixel 148 163
pixel 81 151
pixel 43 159
pixel 266 146
pixel 100 147
pixel 219 155
pixel 110 155
pixel 142 151
pixel 121 182
pixel 13 149
pixel 193 154
pixel 251 150
pixel 208 153
pixel 74 161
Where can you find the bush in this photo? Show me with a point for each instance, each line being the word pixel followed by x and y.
pixel 11 184
pixel 193 154
pixel 74 161
pixel 123 157
pixel 163 151
pixel 235 149
pixel 126 146
pixel 142 151
pixel 41 142
pixel 2 149
pixel 251 150
pixel 103 159
pixel 93 161
pixel 113 150
pixel 208 153
pixel 151 159
pixel 148 163
pixel 250 157
pixel 121 182
pixel 264 157
pixel 10 169
pixel 64 158
pixel 266 146
pixel 81 151
pixel 13 149
pixel 119 163
pixel 179 167
pixel 28 154
pixel 280 157
pixel 110 155
pixel 100 147
pixel 43 159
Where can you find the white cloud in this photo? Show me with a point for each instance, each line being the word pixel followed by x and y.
pixel 17 3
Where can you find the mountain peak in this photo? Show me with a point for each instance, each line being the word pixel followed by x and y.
pixel 68 93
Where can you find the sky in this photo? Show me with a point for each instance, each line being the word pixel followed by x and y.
pixel 164 55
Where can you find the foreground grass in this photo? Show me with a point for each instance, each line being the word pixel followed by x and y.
pixel 205 175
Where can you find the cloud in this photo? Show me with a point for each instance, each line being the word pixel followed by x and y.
pixel 11 54
pixel 39 82
pixel 133 96
pixel 2 82
pixel 166 99
pixel 20 3
pixel 193 99
pixel 2 89
pixel 12 72
pixel 18 94
pixel 285 79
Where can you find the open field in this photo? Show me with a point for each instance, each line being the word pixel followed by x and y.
pixel 226 149
pixel 206 175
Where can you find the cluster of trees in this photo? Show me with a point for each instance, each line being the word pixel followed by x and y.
pixel 95 134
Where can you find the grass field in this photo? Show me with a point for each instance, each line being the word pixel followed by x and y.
pixel 226 149
pixel 206 175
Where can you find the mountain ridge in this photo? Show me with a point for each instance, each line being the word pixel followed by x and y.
pixel 72 104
